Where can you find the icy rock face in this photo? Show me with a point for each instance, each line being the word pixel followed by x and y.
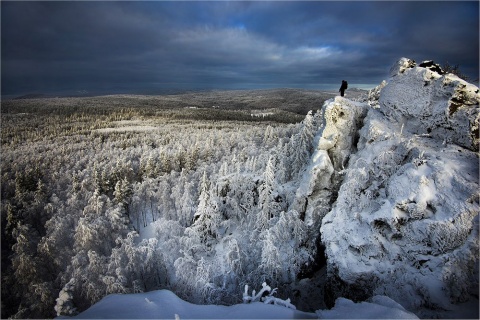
pixel 430 102
pixel 374 95
pixel 405 222
pixel 335 142
pixel 401 66
pixel 343 118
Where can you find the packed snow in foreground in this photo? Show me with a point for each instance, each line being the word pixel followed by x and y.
pixel 164 304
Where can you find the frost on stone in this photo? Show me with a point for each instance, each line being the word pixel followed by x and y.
pixel 401 66
pixel 405 222
pixel 334 143
pixel 442 106
pixel 343 119
pixel 374 95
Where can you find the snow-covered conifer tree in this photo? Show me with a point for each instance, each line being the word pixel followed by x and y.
pixel 289 234
pixel 57 244
pixel 204 196
pixel 267 192
pixel 166 206
pixel 97 179
pixel 302 144
pixel 187 208
pixel 207 218
pixel 105 182
pixel 123 193
pixel 191 158
pixel 270 265
pixel 165 162
pixel 65 305
pixel 150 167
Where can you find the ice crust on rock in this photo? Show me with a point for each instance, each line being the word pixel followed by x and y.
pixel 442 106
pixel 401 66
pixel 342 118
pixel 405 222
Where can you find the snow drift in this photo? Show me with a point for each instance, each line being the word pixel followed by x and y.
pixel 405 222
pixel 163 304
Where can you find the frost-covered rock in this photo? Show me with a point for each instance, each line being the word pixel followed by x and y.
pixel 334 143
pixel 430 102
pixel 315 185
pixel 374 95
pixel 342 118
pixel 401 66
pixel 405 222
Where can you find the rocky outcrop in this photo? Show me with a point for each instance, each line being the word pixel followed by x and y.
pixel 405 221
pixel 429 102
pixel 337 139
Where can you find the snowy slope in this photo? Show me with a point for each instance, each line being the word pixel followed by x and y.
pixel 405 223
pixel 164 304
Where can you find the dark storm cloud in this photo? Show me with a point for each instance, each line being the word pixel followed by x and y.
pixel 147 46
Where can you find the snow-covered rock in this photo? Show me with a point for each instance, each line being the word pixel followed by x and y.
pixel 427 102
pixel 405 222
pixel 401 66
pixel 342 118
pixel 374 95
pixel 316 185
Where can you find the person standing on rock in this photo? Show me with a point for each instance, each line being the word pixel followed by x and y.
pixel 343 87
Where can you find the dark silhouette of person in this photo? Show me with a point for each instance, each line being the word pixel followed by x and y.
pixel 343 87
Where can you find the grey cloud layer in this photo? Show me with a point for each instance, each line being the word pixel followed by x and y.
pixel 108 45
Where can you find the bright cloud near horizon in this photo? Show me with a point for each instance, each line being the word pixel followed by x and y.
pixel 151 46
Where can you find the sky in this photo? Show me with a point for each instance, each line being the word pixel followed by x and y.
pixel 147 47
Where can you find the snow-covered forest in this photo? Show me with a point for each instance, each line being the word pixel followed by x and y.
pixel 100 197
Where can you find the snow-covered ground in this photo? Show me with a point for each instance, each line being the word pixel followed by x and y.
pixel 128 125
pixel 163 304
pixel 126 128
